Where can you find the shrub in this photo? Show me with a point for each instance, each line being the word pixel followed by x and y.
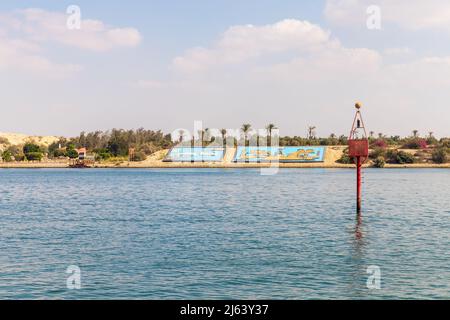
pixel 139 156
pixel 379 162
pixel 19 157
pixel 391 156
pixel 379 143
pixel 432 141
pixel 34 156
pixel 345 158
pixel 445 142
pixel 103 155
pixel 149 148
pixel 404 158
pixel 415 143
pixel 377 152
pixel 59 153
pixel 15 150
pixel 7 156
pixel 439 155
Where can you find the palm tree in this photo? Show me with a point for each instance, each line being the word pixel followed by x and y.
pixel 181 133
pixel 270 127
pixel 245 130
pixel 415 133
pixel 207 136
pixel 223 132
pixel 380 135
pixel 431 134
pixel 371 133
pixel 201 136
pixel 311 132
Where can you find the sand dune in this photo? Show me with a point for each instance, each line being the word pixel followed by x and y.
pixel 19 139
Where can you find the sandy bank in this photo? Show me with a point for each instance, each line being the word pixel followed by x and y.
pixel 20 139
pixel 155 161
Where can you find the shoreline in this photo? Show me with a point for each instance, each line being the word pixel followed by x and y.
pixel 155 161
pixel 134 165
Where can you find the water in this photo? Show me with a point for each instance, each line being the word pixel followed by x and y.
pixel 223 233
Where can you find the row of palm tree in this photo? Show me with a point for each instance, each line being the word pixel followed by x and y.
pixel 206 136
pixel 246 128
pixel 415 134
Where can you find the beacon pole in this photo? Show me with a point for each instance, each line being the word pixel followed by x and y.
pixel 358 149
pixel 358 184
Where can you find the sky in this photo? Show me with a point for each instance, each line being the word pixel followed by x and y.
pixel 165 64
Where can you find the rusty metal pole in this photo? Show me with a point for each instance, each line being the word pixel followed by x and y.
pixel 358 184
pixel 358 149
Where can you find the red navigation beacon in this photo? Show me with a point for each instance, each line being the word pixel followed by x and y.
pixel 358 149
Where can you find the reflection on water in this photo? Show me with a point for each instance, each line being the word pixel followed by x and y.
pixel 358 272
pixel 218 234
pixel 358 230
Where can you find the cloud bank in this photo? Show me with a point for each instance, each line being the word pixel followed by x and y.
pixel 26 34
pixel 409 15
pixel 298 68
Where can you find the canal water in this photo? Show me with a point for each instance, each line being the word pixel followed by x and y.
pixel 224 234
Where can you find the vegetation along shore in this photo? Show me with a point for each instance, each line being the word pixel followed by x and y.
pixel 143 148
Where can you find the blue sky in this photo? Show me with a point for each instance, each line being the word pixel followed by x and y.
pixel 165 64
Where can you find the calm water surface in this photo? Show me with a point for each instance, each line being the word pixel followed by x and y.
pixel 220 234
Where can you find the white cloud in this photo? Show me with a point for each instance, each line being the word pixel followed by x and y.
pixel 45 26
pixel 25 34
pixel 242 43
pixel 410 15
pixel 298 69
pixel 288 50
pixel 25 56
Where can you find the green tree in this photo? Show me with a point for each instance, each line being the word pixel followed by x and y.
pixel 31 147
pixel 72 153
pixel 32 152
pixel 34 156
pixel 7 156
pixel 118 143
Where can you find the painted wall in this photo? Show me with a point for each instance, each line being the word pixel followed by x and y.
pixel 195 154
pixel 285 154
